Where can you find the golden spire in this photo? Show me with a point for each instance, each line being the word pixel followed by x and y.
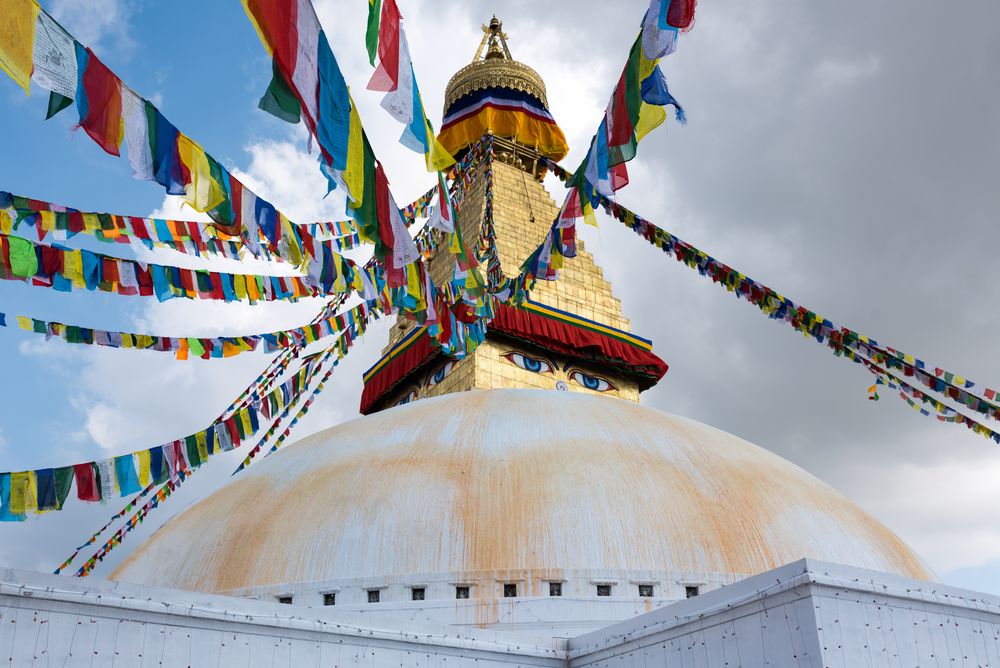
pixel 496 69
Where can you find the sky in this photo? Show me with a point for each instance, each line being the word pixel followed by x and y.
pixel 847 159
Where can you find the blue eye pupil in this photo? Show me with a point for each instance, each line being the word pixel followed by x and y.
pixel 532 365
pixel 590 382
pixel 439 376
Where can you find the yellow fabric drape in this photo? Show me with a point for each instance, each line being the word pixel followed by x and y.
pixel 545 136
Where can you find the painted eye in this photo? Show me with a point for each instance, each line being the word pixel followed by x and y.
pixel 411 396
pixel 531 364
pixel 595 383
pixel 441 374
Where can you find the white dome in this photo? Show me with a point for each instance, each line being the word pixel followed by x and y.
pixel 505 481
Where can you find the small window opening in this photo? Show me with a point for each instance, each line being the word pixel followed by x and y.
pixel 604 590
pixel 555 589
pixel 510 590
pixel 646 591
pixel 329 599
pixel 287 600
pixel 417 593
pixel 373 595
pixel 461 592
pixel 691 591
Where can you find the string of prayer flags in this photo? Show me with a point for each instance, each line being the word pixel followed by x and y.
pixel 47 489
pixel 184 347
pixel 841 340
pixel 334 353
pixel 93 538
pixel 394 76
pixel 943 412
pixel 287 29
pixel 110 112
pixel 62 223
pixel 168 488
pixel 252 394
pixel 65 270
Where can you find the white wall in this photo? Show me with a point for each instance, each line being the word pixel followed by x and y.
pixel 64 621
pixel 805 614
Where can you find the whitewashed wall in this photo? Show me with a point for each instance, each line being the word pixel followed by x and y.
pixel 807 614
pixel 62 621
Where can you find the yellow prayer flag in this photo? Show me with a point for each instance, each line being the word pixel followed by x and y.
pixel 6 224
pixel 91 223
pixel 294 255
pixel 240 286
pixel 17 39
pixel 651 116
pixel 438 158
pixel 23 492
pixel 245 419
pixel 354 175
pixel 73 268
pixel 48 220
pixel 588 213
pixel 144 473
pixel 25 323
pixel 202 442
pixel 203 193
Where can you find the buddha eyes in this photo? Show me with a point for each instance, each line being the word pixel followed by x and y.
pixel 531 364
pixel 595 383
pixel 412 396
pixel 441 374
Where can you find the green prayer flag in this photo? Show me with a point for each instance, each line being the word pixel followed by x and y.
pixel 64 481
pixel 194 345
pixel 279 100
pixel 194 458
pixel 23 261
pixel 371 35
pixel 57 103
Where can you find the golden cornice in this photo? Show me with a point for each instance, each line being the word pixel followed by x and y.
pixel 494 73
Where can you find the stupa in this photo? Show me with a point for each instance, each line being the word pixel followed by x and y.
pixel 518 506
pixel 527 470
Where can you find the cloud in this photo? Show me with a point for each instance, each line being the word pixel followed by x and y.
pixel 98 24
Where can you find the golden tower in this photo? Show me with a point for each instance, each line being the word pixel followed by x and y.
pixel 571 335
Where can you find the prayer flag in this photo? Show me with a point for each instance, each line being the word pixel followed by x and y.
pixel 371 34
pixel 88 488
pixel 17 39
pixel 46 490
pixel 203 192
pixel 99 101
pixel 128 481
pixel 54 58
pixel 386 76
pixel 7 513
pixel 140 151
pixel 64 481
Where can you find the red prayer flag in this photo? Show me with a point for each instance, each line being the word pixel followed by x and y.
pixel 103 122
pixel 395 277
pixel 680 14
pixel 386 76
pixel 87 487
